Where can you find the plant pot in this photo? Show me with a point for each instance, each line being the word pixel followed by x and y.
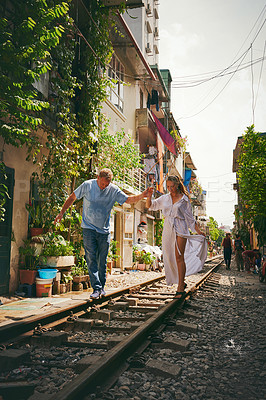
pixel 79 279
pixel 62 288
pixel 60 261
pixel 109 267
pixel 78 287
pixel 36 231
pixel 68 287
pixel 27 276
pixel 141 267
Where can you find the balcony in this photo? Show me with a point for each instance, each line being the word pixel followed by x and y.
pixel 132 181
pixel 146 129
pixel 135 179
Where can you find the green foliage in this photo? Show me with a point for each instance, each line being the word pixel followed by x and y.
pixel 79 270
pixel 55 245
pixel 216 234
pixel 3 191
pixel 158 231
pixel 117 152
pixel 142 257
pixel 213 228
pixel 28 259
pixel 70 41
pixel 252 177
pixel 28 31
pixel 244 235
pixel 35 215
pixel 260 227
pixel 252 174
pixel 195 187
pixel 113 250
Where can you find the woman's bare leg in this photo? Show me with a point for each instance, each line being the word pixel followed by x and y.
pixel 181 266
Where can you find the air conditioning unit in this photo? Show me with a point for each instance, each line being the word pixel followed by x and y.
pixel 148 48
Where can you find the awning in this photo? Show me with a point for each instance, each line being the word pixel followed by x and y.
pixel 168 140
pixel 188 173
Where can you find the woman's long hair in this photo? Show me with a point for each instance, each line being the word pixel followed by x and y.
pixel 179 184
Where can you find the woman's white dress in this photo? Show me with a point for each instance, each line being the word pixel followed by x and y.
pixel 178 219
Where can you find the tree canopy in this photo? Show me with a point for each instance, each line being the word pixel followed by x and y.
pixel 252 179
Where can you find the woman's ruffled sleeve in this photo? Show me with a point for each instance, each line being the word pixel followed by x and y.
pixel 188 214
pixel 157 204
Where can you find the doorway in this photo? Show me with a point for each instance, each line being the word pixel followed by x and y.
pixel 6 180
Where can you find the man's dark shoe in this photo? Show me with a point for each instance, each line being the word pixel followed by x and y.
pixel 95 295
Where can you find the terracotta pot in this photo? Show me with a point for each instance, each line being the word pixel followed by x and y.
pixel 36 231
pixel 77 287
pixel 78 279
pixel 109 267
pixel 27 276
pixel 142 267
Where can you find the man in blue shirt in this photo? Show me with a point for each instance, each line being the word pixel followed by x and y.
pixel 99 195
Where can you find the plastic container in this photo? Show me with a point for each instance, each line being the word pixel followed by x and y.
pixel 44 287
pixel 47 273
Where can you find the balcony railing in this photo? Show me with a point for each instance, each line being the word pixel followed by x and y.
pixel 132 180
pixel 135 179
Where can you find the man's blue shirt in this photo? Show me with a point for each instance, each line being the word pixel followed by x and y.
pixel 97 204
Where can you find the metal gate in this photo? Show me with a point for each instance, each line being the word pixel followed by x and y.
pixel 7 179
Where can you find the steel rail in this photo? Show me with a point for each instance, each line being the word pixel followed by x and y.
pixel 17 328
pixel 96 374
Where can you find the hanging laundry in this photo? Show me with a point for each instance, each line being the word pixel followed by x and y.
pixel 155 98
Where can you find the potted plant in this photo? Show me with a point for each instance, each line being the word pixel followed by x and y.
pixel 28 262
pixel 79 273
pixel 66 283
pixel 142 258
pixel 36 223
pixel 57 252
pixel 112 256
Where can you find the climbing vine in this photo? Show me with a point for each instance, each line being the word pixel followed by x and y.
pixel 28 32
pixel 117 152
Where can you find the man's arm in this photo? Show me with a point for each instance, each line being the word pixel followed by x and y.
pixel 69 201
pixel 136 198
pixel 149 195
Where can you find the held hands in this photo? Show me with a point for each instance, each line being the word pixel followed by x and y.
pixel 149 191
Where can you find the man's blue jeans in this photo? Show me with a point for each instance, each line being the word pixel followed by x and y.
pixel 96 246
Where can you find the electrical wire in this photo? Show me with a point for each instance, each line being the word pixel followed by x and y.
pixel 196 82
pixel 252 88
pixel 215 96
pixel 261 68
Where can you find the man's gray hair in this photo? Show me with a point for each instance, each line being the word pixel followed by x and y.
pixel 106 173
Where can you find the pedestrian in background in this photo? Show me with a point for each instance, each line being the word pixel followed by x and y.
pixel 99 195
pixel 183 254
pixel 227 245
pixel 238 249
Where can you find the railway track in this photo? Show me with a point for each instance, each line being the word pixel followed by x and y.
pixel 81 352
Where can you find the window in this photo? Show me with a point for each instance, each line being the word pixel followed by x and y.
pixel 116 73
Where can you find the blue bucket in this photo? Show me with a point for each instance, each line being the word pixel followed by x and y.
pixel 48 273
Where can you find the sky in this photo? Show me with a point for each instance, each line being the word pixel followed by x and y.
pixel 198 40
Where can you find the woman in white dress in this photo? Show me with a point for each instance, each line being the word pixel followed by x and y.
pixel 183 253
